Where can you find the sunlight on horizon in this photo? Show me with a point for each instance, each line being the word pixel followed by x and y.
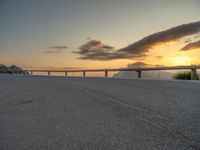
pixel 182 60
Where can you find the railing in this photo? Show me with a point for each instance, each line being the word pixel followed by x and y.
pixel 138 70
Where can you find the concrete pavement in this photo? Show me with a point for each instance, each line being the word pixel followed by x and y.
pixel 71 113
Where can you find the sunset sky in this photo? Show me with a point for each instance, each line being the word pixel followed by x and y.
pixel 92 34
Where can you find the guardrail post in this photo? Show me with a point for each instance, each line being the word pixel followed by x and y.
pixel 31 72
pixel 48 73
pixel 106 73
pixel 139 74
pixel 193 74
pixel 66 73
pixel 84 74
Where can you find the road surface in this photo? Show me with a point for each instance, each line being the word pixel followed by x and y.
pixel 71 113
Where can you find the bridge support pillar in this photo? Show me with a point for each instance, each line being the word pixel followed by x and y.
pixel 106 73
pixel 84 73
pixel 193 74
pixel 139 74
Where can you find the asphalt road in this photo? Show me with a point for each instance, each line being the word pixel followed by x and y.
pixel 59 113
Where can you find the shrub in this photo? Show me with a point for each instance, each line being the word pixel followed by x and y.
pixel 184 75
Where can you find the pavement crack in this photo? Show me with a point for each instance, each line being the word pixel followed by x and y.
pixel 26 102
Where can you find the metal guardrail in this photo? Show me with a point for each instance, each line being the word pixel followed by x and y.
pixel 138 70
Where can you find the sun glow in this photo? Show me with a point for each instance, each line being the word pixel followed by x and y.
pixel 182 60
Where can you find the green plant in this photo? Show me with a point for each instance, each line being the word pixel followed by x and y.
pixel 184 75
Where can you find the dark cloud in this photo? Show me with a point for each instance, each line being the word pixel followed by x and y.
pixel 138 64
pixel 190 46
pixel 141 64
pixel 97 50
pixel 172 34
pixel 56 49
